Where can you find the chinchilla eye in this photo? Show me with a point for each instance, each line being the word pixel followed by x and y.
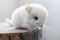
pixel 35 18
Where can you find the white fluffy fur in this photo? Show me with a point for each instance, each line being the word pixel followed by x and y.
pixel 21 18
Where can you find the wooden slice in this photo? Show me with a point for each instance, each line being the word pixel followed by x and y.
pixel 18 34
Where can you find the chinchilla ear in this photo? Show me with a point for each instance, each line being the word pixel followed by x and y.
pixel 28 8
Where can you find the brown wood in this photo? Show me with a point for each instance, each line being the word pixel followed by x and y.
pixel 14 36
pixel 4 37
pixel 30 35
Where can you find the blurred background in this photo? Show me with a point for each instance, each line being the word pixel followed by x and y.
pixel 52 31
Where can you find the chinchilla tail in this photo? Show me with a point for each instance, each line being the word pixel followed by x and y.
pixel 8 21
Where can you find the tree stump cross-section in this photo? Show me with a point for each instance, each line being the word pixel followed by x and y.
pixel 29 35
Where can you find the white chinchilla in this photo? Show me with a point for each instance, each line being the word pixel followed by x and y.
pixel 29 16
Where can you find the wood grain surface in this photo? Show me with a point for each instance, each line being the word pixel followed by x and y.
pixel 30 35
